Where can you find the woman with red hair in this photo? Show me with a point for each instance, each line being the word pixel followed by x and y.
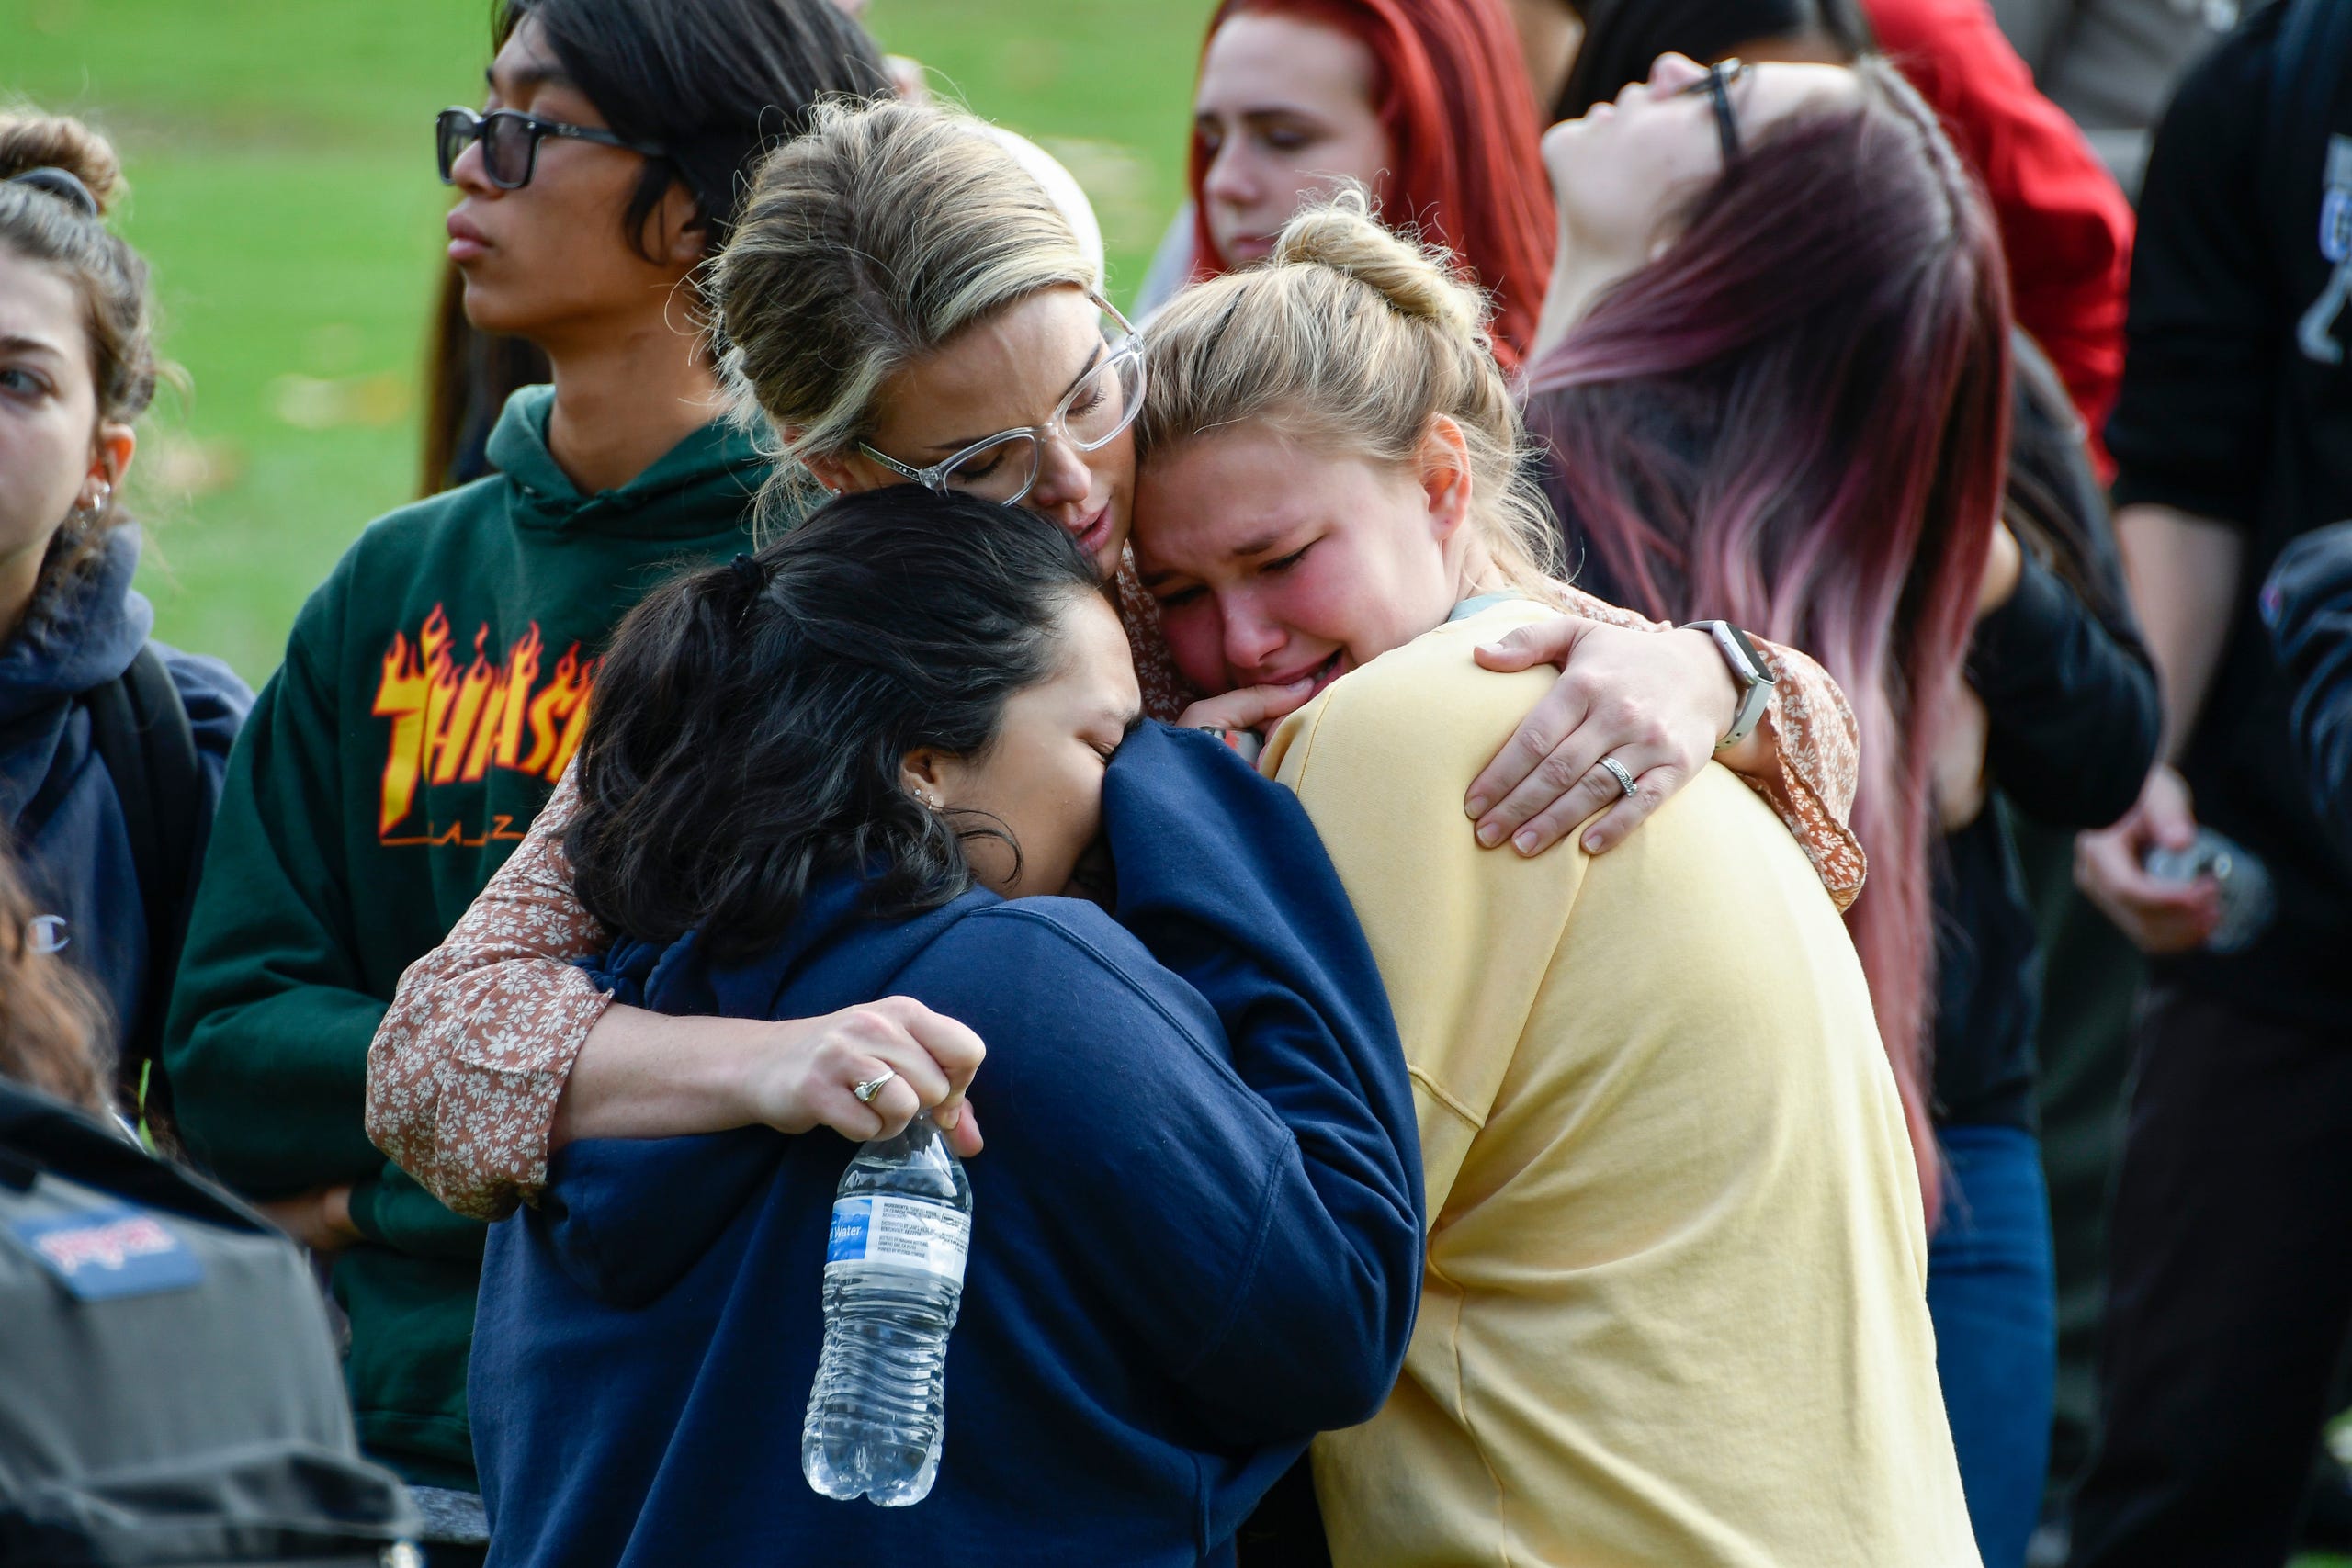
pixel 1424 103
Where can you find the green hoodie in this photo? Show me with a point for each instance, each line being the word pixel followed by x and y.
pixel 433 688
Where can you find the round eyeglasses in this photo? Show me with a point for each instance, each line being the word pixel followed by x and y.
pixel 1004 468
pixel 510 142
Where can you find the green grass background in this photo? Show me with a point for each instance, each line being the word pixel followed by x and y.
pixel 283 189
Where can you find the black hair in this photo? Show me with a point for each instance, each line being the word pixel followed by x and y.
pixel 751 719
pixel 2054 503
pixel 716 83
pixel 1623 36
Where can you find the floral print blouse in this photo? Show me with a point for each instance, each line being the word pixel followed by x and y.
pixel 470 1059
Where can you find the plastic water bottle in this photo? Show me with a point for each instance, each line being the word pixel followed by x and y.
pixel 894 1278
pixel 2249 901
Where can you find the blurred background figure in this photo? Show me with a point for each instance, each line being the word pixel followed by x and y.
pixel 2231 1293
pixel 1549 33
pixel 2112 64
pixel 112 745
pixel 1422 102
pixel 2065 228
pixel 168 1388
pixel 2308 606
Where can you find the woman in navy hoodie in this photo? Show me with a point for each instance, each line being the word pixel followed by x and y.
pixel 864 762
pixel 111 746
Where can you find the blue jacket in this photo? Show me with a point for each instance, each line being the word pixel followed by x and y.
pixel 1195 1234
pixel 2308 606
pixel 79 867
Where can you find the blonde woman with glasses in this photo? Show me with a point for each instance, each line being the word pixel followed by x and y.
pixel 903 304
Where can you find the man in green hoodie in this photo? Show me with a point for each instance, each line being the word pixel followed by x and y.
pixel 437 684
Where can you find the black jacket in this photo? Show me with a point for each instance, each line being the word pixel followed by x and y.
pixel 2072 722
pixel 2237 407
pixel 2308 605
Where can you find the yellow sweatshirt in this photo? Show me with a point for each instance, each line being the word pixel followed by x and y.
pixel 1674 1313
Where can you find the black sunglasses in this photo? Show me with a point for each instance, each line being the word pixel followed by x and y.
pixel 1716 84
pixel 510 142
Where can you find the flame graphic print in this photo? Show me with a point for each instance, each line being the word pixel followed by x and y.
pixel 451 725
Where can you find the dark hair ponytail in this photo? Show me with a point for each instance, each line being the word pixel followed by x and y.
pixel 750 718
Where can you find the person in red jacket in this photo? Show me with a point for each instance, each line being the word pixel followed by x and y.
pixel 2065 224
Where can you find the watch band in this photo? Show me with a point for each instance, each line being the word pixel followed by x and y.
pixel 1748 668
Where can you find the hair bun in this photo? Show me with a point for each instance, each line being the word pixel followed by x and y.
pixel 57 142
pixel 1416 279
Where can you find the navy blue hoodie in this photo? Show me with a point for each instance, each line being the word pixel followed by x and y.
pixel 80 865
pixel 1195 1233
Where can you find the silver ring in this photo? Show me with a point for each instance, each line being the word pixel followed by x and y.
pixel 867 1092
pixel 1617 770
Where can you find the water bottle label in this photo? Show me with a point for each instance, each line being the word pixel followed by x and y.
pixel 902 1233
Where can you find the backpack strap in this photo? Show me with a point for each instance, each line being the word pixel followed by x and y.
pixel 139 730
pixel 55 786
pixel 38 1133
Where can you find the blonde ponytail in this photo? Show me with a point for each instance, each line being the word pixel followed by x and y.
pixel 1353 339
pixel 1415 282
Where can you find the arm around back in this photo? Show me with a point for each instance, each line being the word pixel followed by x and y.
pixel 469 1061
pixel 1247 1213
pixel 1225 881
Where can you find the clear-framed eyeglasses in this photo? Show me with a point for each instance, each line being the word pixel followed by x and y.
pixel 1004 467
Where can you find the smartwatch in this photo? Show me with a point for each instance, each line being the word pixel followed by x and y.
pixel 1747 668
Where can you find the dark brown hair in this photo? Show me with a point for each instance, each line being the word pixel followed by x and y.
pixel 468 376
pixel 118 313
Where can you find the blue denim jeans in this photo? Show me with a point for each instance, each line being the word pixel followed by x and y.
pixel 1991 1291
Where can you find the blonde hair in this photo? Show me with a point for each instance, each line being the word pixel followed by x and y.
pixel 1353 339
pixel 869 242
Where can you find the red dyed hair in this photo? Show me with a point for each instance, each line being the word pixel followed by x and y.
pixel 1461 120
pixel 1797 420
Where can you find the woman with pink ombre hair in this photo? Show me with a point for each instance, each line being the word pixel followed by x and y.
pixel 1776 378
